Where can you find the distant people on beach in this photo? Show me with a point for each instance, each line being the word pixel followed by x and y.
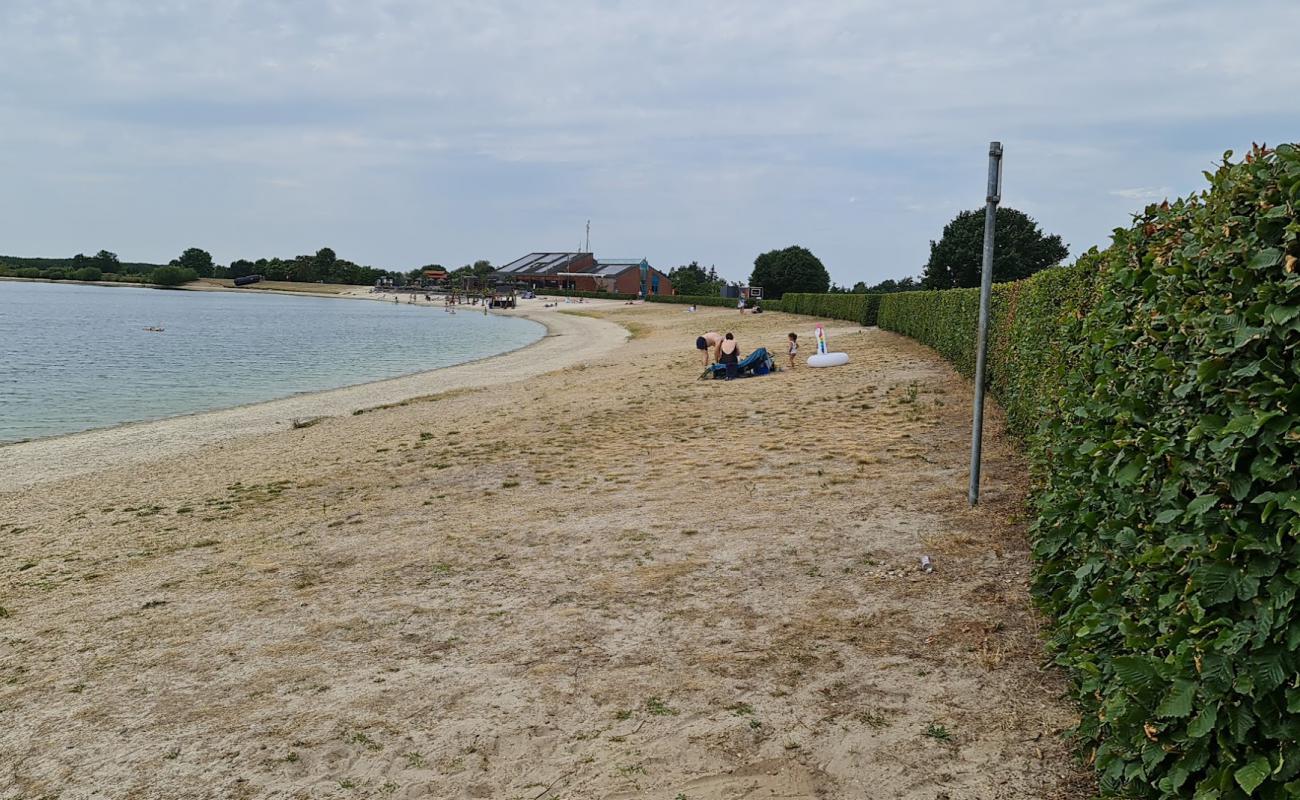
pixel 729 354
pixel 794 348
pixel 708 343
pixel 740 305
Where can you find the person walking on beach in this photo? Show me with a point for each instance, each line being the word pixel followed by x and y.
pixel 708 343
pixel 729 354
pixel 794 348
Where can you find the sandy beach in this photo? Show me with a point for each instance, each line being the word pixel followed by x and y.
pixel 571 571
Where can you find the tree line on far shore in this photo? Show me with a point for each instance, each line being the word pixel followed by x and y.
pixel 322 267
pixel 1022 249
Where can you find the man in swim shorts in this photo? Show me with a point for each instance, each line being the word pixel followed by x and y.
pixel 708 343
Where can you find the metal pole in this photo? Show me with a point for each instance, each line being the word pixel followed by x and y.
pixel 986 288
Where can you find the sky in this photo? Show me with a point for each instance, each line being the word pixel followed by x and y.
pixel 408 133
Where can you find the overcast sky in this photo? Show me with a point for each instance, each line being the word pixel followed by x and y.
pixel 405 133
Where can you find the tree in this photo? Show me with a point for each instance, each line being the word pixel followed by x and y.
pixel 198 260
pixel 691 279
pixel 106 261
pixel 326 264
pixel 887 286
pixel 1020 250
pixel 241 267
pixel 793 269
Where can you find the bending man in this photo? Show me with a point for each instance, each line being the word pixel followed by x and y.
pixel 709 343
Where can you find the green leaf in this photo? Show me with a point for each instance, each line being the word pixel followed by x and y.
pixel 1265 258
pixel 1268 670
pixel 1168 515
pixel 1201 504
pixel 1203 722
pixel 1253 774
pixel 1129 474
pixel 1178 703
pixel 1134 671
pixel 1217 581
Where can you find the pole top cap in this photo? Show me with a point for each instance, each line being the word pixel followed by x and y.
pixel 995 148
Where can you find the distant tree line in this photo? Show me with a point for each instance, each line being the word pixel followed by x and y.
pixel 324 267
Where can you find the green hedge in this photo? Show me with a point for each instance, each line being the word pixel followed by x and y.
pixel 588 295
pixel 859 308
pixel 1158 387
pixel 61 274
pixel 172 276
pixel 697 300
pixel 1030 322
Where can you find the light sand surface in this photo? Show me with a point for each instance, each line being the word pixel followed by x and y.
pixel 569 340
pixel 610 580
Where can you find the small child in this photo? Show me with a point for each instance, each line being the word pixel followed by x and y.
pixel 794 348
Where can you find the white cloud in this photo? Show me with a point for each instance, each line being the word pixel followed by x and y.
pixel 686 130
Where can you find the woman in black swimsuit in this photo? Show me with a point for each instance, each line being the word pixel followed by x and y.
pixel 729 354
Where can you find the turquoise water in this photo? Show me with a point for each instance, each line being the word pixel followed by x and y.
pixel 76 357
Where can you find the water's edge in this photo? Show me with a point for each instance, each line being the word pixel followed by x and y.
pixel 99 429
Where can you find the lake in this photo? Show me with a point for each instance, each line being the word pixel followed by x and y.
pixel 75 357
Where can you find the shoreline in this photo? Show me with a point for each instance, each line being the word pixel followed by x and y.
pixel 34 462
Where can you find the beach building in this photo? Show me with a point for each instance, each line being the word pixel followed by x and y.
pixel 584 273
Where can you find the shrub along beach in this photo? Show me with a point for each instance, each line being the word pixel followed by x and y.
pixel 1156 386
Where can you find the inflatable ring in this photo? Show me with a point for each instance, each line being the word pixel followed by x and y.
pixel 828 360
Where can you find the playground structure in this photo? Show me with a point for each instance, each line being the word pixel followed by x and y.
pixel 473 290
pixel 456 290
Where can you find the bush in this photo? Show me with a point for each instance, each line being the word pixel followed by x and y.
pixel 696 299
pixel 588 295
pixel 1168 493
pixel 87 274
pixel 29 272
pixel 172 276
pixel 859 308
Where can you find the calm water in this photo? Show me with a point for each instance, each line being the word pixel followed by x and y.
pixel 76 357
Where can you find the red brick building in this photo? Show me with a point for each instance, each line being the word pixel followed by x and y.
pixel 584 273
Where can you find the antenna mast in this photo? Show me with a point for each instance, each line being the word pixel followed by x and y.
pixel 588 250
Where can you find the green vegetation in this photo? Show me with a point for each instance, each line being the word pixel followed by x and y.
pixel 172 276
pixel 1155 384
pixel 692 279
pixel 888 286
pixel 325 266
pixel 197 261
pixel 588 295
pixel 859 308
pixel 1021 249
pixel 695 299
pixel 794 269
pixel 659 708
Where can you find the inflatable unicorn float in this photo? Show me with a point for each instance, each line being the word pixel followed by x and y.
pixel 822 358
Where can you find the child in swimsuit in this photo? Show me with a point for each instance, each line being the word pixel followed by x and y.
pixel 794 348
